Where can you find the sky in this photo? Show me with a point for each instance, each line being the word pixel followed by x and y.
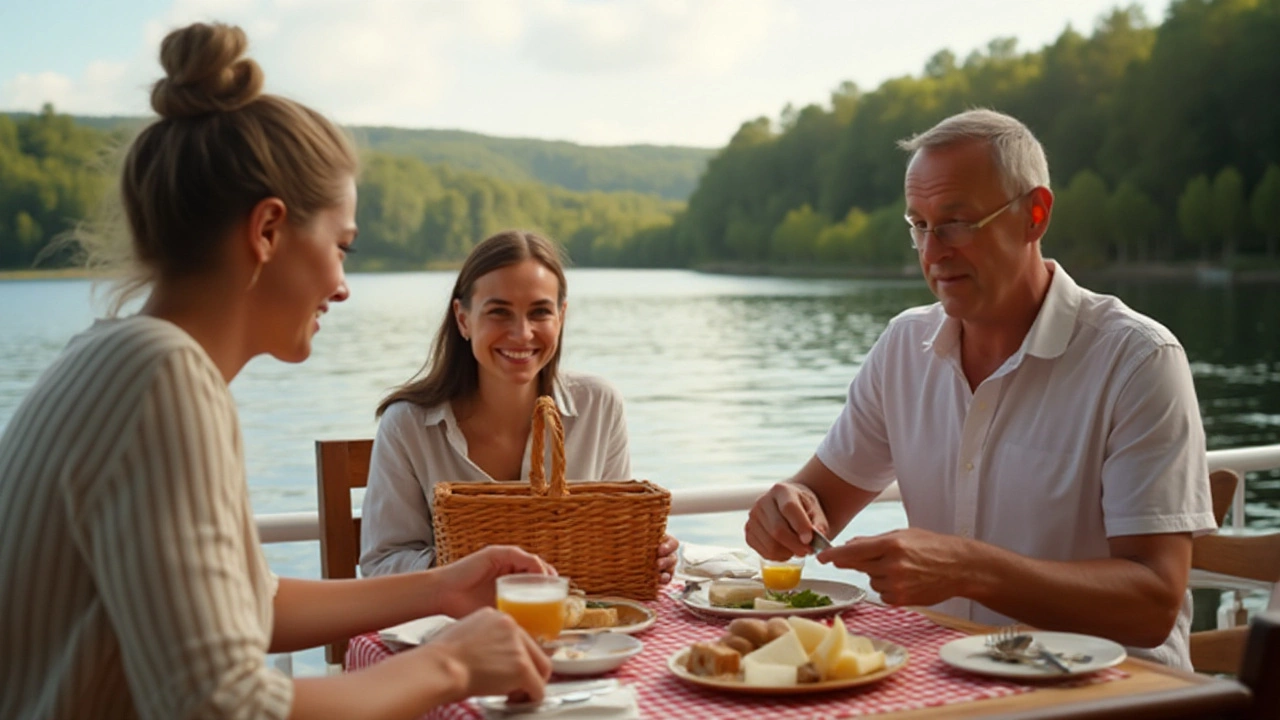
pixel 594 72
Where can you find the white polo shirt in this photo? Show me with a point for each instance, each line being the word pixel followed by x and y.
pixel 417 447
pixel 1090 430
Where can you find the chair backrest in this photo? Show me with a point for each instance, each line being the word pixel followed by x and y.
pixel 1254 557
pixel 1222 488
pixel 340 466
pixel 1259 669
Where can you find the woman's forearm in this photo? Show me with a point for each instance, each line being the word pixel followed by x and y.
pixel 314 612
pixel 403 686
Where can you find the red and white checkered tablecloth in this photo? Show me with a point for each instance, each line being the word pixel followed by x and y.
pixel 925 682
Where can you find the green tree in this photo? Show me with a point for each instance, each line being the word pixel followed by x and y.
pixel 1230 213
pixel 1265 208
pixel 1081 227
pixel 1134 220
pixel 795 239
pixel 1195 215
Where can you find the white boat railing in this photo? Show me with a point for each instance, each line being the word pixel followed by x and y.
pixel 305 526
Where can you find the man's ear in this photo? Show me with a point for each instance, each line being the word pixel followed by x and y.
pixel 1040 211
pixel 266 221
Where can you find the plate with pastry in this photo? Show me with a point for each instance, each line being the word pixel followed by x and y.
pixel 732 598
pixel 787 656
pixel 583 615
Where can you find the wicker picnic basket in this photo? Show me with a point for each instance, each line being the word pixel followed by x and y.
pixel 602 535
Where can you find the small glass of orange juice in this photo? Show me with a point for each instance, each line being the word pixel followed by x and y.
pixel 779 575
pixel 535 602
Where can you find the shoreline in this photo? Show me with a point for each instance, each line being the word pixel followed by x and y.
pixel 1201 274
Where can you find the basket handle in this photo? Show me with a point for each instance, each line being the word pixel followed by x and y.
pixel 546 413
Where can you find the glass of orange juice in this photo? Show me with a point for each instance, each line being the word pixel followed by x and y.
pixel 535 602
pixel 779 575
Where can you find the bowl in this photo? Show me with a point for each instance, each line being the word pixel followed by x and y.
pixel 595 654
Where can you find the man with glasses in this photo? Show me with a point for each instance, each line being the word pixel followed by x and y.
pixel 1046 439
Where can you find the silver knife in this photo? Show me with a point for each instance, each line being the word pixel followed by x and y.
pixel 819 542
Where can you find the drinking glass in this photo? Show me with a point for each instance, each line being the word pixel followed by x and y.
pixel 535 602
pixel 781 575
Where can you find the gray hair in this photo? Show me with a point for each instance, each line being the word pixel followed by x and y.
pixel 1018 155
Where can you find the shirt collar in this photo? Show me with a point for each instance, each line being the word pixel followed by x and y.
pixel 444 411
pixel 1049 334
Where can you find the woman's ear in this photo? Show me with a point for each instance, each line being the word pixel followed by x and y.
pixel 267 220
pixel 460 319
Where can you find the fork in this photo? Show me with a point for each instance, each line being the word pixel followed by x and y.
pixel 1009 644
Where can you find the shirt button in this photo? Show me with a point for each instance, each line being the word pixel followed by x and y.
pixel 982 406
pixel 968 467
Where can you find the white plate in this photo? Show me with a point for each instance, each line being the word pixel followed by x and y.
pixel 601 653
pixel 970 653
pixel 895 658
pixel 633 617
pixel 843 596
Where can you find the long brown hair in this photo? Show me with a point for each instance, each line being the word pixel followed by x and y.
pixel 219 147
pixel 451 371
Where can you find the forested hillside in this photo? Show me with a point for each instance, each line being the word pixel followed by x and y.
pixel 1163 142
pixel 411 214
pixel 670 172
pixel 1164 146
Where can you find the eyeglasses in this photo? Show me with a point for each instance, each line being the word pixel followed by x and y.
pixel 954 234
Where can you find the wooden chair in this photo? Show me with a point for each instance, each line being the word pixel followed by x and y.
pixel 1261 666
pixel 1254 557
pixel 340 466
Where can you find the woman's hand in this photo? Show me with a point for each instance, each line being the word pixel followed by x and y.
pixel 667 558
pixel 491 655
pixel 466 585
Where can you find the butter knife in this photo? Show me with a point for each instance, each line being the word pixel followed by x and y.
pixel 819 542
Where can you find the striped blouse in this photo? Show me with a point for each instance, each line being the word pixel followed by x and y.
pixel 134 583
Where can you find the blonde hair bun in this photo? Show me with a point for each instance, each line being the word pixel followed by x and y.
pixel 205 72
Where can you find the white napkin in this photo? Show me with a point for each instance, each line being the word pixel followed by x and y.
pixel 618 704
pixel 415 632
pixel 711 561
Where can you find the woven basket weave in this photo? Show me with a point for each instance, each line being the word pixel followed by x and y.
pixel 603 535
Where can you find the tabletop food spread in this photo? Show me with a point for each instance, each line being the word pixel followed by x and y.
pixel 721 648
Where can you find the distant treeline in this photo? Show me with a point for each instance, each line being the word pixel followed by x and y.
pixel 1163 142
pixel 1164 146
pixel 54 172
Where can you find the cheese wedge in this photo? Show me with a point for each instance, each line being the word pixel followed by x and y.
pixel 810 632
pixel 827 654
pixel 783 650
pixel 851 665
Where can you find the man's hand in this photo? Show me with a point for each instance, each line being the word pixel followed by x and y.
pixel 491 655
pixel 781 523
pixel 666 558
pixel 467 585
pixel 907 567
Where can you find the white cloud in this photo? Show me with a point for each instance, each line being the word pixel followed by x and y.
pixel 690 39
pixel 103 88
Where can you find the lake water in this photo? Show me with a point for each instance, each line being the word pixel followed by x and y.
pixel 727 380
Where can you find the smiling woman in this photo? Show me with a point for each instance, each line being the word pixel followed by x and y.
pixel 468 417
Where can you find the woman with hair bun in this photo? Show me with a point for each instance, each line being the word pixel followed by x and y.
pixel 134 582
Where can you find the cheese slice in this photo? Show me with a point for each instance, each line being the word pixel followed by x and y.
pixel 731 593
pixel 782 650
pixel 768 674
